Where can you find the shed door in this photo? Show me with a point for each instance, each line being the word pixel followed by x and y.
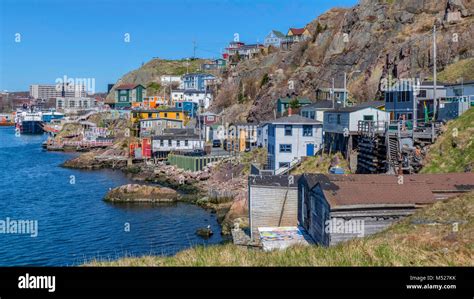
pixel 309 149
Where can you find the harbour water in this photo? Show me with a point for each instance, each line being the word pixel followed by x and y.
pixel 74 224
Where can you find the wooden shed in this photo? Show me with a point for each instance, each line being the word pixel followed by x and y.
pixel 272 202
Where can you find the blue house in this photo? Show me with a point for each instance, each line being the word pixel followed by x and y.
pixel 197 81
pixel 190 107
pixel 274 38
pixel 399 99
pixel 460 89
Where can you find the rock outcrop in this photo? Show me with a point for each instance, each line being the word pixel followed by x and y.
pixel 141 193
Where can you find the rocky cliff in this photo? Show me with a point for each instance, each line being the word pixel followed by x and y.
pixel 371 41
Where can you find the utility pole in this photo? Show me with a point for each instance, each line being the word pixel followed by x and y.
pixel 435 98
pixel 415 88
pixel 345 89
pixel 332 94
pixel 194 49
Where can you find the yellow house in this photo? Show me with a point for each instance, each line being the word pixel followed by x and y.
pixel 137 115
pixel 171 114
pixel 298 34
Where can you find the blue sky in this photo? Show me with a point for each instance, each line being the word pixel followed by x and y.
pixel 85 38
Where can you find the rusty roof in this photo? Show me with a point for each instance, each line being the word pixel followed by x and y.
pixel 363 189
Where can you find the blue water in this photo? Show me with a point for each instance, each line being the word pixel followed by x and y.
pixel 74 224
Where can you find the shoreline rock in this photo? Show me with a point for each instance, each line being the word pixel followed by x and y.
pixel 142 193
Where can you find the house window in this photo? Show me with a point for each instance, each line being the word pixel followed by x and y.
pixel 186 143
pixel 307 130
pixel 162 143
pixel 284 164
pixel 288 130
pixel 368 117
pixel 166 115
pixel 177 115
pixel 169 142
pixel 285 148
pixel 422 93
pixel 178 143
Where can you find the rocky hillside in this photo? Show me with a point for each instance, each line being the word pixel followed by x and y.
pixel 371 41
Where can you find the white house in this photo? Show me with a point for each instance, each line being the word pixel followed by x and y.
pixel 341 124
pixel 202 98
pixel 274 38
pixel 291 138
pixel 262 135
pixel 170 79
pixel 155 126
pixel 177 140
pixel 177 95
pixel 316 110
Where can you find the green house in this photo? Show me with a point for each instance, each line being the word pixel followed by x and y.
pixel 127 94
pixel 284 103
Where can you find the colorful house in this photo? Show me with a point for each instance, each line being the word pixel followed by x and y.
pixel 126 94
pixel 151 102
pixel 274 38
pixel 137 115
pixel 197 81
pixel 296 35
pixel 284 103
pixel 173 114
pixel 190 108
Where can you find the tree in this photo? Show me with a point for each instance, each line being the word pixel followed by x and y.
pixel 294 104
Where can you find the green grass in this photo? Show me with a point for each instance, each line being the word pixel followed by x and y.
pixel 403 244
pixel 454 150
pixel 461 69
pixel 320 164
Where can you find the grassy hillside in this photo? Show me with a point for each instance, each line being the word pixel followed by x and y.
pixel 454 150
pixel 149 74
pixel 404 244
pixel 461 69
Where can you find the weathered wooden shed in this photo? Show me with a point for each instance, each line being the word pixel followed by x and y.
pixel 336 208
pixel 272 202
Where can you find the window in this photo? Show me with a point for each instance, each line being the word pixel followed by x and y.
pixel 422 93
pixel 169 142
pixel 288 130
pixel 285 148
pixel 178 143
pixel 166 115
pixel 186 143
pixel 177 115
pixel 284 164
pixel 307 130
pixel 162 143
pixel 368 117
